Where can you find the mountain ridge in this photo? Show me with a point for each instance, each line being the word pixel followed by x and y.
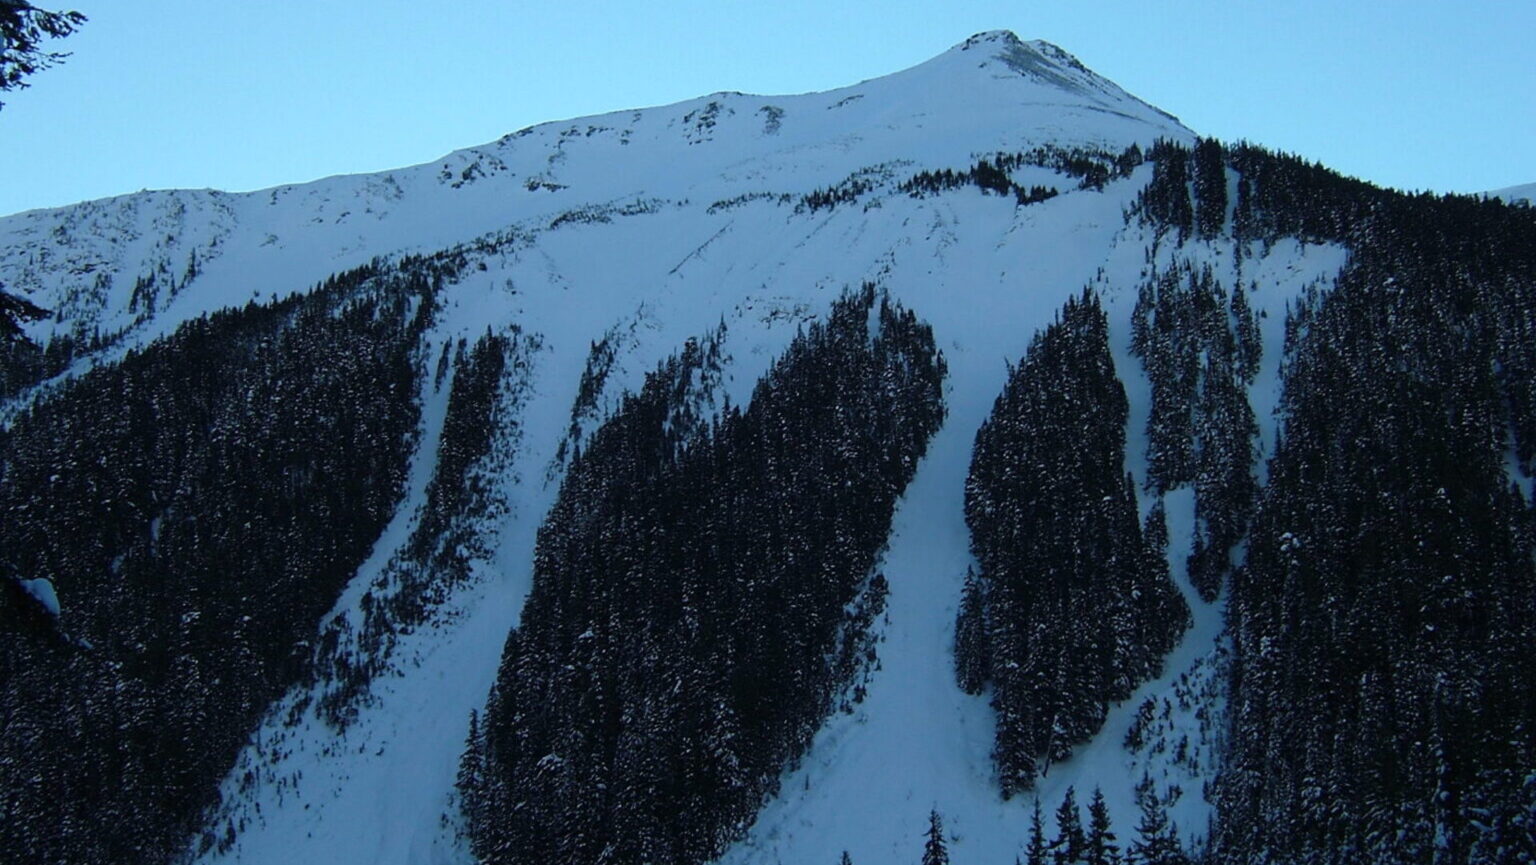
pixel 297 234
pixel 1525 192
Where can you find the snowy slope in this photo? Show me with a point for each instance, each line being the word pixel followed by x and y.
pixel 1525 192
pixel 987 275
pixel 654 226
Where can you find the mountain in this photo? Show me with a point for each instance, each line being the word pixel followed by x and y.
pixel 1515 194
pixel 753 478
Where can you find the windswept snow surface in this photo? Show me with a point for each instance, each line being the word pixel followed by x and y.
pixel 654 226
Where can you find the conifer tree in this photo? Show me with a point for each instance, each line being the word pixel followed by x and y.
pixel 240 471
pixel 1155 842
pixel 704 589
pixel 1070 844
pixel 1036 851
pixel 1249 346
pixel 1385 556
pixel 23 30
pixel 1209 180
pixel 934 851
pixel 1155 531
pixel 1101 846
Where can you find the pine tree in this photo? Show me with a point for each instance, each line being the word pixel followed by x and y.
pixel 1037 849
pixel 1155 843
pixel 1101 849
pixel 846 860
pixel 1069 845
pixel 934 851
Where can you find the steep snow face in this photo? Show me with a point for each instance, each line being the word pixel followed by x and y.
pixel 143 263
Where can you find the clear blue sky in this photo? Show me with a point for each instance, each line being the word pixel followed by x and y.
pixel 243 94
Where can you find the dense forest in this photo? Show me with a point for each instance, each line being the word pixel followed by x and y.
pixel 704 592
pixel 1200 349
pixel 1383 696
pixel 24 363
pixel 1072 607
pixel 198 507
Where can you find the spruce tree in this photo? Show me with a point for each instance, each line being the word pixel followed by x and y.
pixel 704 588
pixel 1036 851
pixel 1155 530
pixel 1249 346
pixel 1209 179
pixel 1070 844
pixel 1384 557
pixel 23 30
pixel 1101 847
pixel 934 851
pixel 469 782
pixel 1155 842
pixel 239 472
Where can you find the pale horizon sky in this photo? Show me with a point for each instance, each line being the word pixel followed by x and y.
pixel 244 95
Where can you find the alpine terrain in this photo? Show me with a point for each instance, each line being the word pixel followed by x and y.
pixel 972 464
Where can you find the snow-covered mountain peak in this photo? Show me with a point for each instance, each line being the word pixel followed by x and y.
pixel 1006 57
pixel 137 265
pixel 1037 60
pixel 993 91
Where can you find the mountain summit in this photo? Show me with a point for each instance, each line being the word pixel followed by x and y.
pixel 1046 64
